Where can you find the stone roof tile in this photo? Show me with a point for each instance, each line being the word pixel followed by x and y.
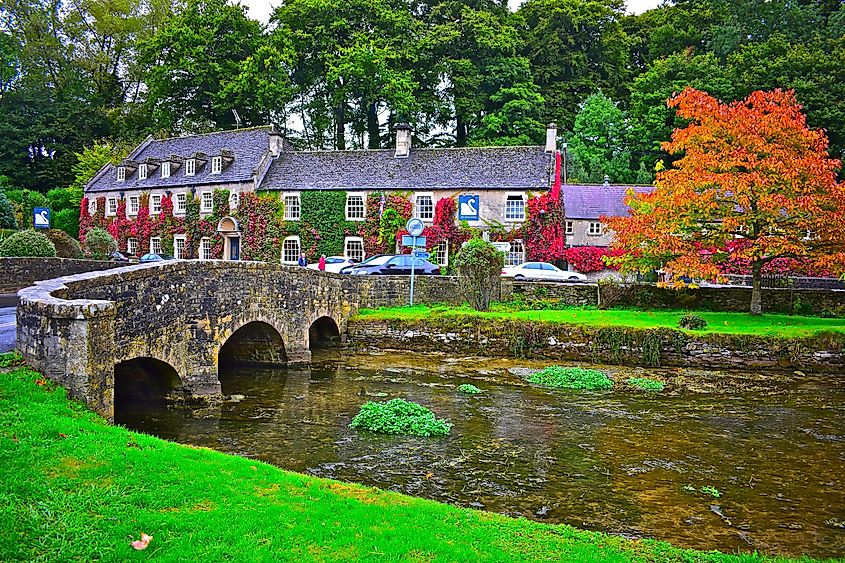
pixel 594 201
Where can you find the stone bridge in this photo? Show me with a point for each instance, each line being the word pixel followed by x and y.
pixel 181 318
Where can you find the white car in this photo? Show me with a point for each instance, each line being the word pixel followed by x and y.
pixel 333 264
pixel 541 271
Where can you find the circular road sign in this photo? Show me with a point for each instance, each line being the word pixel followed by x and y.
pixel 415 226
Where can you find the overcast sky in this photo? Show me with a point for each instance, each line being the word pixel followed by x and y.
pixel 260 9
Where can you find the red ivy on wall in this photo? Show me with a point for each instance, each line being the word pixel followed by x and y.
pixel 586 259
pixel 380 227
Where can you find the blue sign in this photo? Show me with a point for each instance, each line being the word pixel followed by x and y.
pixel 408 240
pixel 468 206
pixel 41 217
pixel 421 254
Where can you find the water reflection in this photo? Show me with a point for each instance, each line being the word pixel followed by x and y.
pixel 617 461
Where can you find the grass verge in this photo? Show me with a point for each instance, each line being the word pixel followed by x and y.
pixel 74 488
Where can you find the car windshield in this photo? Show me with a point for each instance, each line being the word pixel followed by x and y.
pixel 376 260
pixel 334 260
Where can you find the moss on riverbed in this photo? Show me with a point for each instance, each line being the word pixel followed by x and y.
pixel 73 487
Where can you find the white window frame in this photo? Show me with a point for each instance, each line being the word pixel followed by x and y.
pixel 440 253
pixel 92 206
pixel 363 207
pixel 595 229
pixel 176 240
pixel 111 207
pixel 234 200
pixel 521 196
pixel 570 227
pixel 165 169
pixel 191 167
pixel 134 205
pixel 216 164
pixel 292 239
pixel 155 245
pixel 142 171
pixel 205 248
pixel 121 173
pixel 132 246
pixel 347 254
pixel 180 202
pixel 289 215
pixel 417 207
pixel 155 204
pixel 516 255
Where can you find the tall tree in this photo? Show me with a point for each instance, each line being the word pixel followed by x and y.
pixel 754 183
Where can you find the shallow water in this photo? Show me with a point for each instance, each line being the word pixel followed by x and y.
pixel 618 461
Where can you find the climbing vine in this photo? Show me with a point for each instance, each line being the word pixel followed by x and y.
pixel 323 225
pixel 384 221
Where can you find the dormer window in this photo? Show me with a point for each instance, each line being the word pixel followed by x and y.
pixel 121 173
pixel 190 167
pixel 165 169
pixel 216 164
pixel 142 172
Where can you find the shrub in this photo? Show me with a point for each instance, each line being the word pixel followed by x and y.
pixel 469 389
pixel 399 416
pixel 24 202
pixel 11 359
pixel 479 265
pixel 67 220
pixel 7 213
pixel 99 244
pixel 692 322
pixel 571 378
pixel 646 384
pixel 66 246
pixel 27 243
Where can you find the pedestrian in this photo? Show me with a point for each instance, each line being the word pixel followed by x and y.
pixel 321 265
pixel 303 261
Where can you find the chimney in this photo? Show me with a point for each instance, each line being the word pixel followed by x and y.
pixel 551 138
pixel 276 141
pixel 403 140
pixel 606 181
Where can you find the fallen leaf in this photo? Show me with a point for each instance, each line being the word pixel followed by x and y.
pixel 62 435
pixel 143 542
pixel 253 468
pixel 41 382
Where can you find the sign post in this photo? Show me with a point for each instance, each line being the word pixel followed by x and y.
pixel 415 227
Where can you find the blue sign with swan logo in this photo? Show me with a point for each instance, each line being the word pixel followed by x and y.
pixel 41 217
pixel 468 206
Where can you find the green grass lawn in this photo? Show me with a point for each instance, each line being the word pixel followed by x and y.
pixel 733 323
pixel 74 488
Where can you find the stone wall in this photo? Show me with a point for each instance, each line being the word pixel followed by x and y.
pixel 18 273
pixel 469 335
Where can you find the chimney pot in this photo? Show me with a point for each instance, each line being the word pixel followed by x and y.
pixel 551 138
pixel 403 139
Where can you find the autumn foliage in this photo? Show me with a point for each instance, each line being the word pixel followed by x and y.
pixel 749 171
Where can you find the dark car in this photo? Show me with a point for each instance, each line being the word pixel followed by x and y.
pixel 392 265
pixel 156 257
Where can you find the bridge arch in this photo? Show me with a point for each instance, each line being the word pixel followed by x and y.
pixel 144 380
pixel 324 332
pixel 254 342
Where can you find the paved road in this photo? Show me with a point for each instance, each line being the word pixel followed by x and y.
pixel 7 329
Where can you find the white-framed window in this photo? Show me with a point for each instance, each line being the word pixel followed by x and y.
pixel 811 235
pixel 355 208
pixel 594 229
pixel 111 206
pixel 515 207
pixel 179 244
pixel 155 204
pixel 131 246
pixel 234 200
pixel 516 255
pixel 290 250
pixel 207 202
pixel 121 173
pixel 165 169
pixel 134 205
pixel 142 172
pixel 570 227
pixel 205 249
pixel 180 203
pixel 92 206
pixel 441 254
pixel 190 167
pixel 155 245
pixel 293 207
pixel 424 206
pixel 216 164
pixel 353 248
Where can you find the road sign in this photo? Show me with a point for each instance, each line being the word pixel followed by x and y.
pixel 41 217
pixel 421 254
pixel 408 240
pixel 468 205
pixel 415 226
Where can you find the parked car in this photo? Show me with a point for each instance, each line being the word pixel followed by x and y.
pixel 392 265
pixel 119 257
pixel 156 257
pixel 541 271
pixel 333 264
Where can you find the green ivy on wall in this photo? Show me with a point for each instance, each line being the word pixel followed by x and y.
pixel 323 225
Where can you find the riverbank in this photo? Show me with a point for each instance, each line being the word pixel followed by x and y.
pixel 76 488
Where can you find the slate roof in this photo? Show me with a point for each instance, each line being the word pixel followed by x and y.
pixel 247 145
pixel 594 201
pixel 511 168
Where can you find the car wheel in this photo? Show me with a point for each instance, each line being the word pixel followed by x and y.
pixel 573 278
pixel 519 277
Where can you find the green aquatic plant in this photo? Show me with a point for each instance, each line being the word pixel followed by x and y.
pixel 398 416
pixel 712 491
pixel 469 389
pixel 571 378
pixel 646 384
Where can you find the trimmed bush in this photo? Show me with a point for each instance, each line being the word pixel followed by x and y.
pixel 571 378
pixel 646 384
pixel 67 220
pixel 99 244
pixel 66 246
pixel 398 416
pixel 479 267
pixel 27 243
pixel 469 389
pixel 692 322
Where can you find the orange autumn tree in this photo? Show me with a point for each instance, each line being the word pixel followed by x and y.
pixel 753 183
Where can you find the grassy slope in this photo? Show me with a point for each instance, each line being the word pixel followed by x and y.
pixel 731 323
pixel 72 487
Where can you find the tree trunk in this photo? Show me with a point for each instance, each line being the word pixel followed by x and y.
pixel 373 131
pixel 460 132
pixel 756 289
pixel 340 126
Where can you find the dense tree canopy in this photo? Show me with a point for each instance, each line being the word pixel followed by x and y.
pixel 341 73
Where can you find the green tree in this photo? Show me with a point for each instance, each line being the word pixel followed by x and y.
pixel 479 267
pixel 517 119
pixel 7 213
